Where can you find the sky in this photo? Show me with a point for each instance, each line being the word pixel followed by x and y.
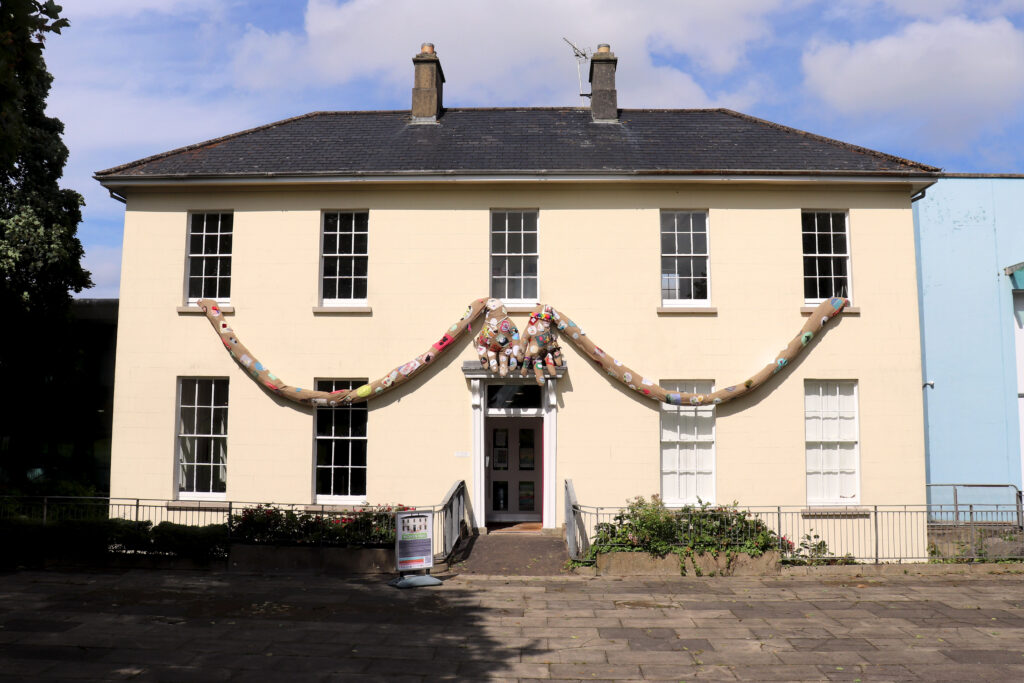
pixel 936 81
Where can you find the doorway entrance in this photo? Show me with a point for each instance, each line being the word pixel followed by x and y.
pixel 514 462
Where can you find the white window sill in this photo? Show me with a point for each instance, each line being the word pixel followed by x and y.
pixel 849 310
pixel 199 504
pixel 835 510
pixel 339 504
pixel 687 310
pixel 193 309
pixel 521 306
pixel 342 310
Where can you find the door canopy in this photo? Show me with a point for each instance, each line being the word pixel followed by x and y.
pixel 503 350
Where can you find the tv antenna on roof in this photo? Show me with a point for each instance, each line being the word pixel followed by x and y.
pixel 582 56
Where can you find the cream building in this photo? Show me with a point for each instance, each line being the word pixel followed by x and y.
pixel 691 243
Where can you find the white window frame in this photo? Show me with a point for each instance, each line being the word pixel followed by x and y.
pixel 677 255
pixel 353 256
pixel 507 255
pixel 821 439
pixel 688 442
pixel 331 499
pixel 181 434
pixel 193 256
pixel 832 254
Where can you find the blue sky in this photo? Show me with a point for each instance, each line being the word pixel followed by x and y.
pixel 937 81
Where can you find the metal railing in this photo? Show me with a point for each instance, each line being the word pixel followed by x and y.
pixel 456 519
pixel 453 518
pixel 870 533
pixel 957 504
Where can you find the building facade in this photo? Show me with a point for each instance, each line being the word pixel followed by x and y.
pixel 971 283
pixel 691 243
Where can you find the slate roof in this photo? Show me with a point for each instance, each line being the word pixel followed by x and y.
pixel 528 141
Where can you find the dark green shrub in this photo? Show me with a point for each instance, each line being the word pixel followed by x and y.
pixel 265 524
pixel 197 543
pixel 651 527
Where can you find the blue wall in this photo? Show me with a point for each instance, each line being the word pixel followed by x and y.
pixel 968 230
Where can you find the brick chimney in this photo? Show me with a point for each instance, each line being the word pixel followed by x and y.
pixel 604 102
pixel 428 85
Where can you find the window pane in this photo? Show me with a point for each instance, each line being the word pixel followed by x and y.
pixel 498 288
pixel 839 243
pixel 357 481
pixel 344 288
pixel 330 289
pixel 700 243
pixel 498 222
pixel 515 266
pixel 358 415
pixel 515 243
pixel 204 394
pixel 345 222
pixel 358 453
pixel 498 243
pixel 359 288
pixel 359 265
pixel 699 222
pixel 530 221
pixel 360 241
pixel 324 481
pixel 330 222
pixel 530 243
pixel 668 243
pixel 529 265
pixel 362 222
pixel 529 288
pixel 498 266
pixel 515 222
pixel 515 289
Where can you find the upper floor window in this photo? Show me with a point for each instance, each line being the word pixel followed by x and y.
pixel 209 257
pixel 830 418
pixel 826 255
pixel 202 438
pixel 340 442
pixel 688 447
pixel 514 256
pixel 345 257
pixel 684 258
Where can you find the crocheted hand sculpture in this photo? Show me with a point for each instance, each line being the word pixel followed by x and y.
pixel 541 344
pixel 498 341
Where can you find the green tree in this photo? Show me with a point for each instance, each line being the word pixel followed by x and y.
pixel 40 254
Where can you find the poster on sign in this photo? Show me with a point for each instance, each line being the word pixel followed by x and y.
pixel 414 540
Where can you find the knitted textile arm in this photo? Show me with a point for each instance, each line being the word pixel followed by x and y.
pixel 539 346
pixel 399 375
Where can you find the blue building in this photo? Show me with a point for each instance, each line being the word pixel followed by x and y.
pixel 970 255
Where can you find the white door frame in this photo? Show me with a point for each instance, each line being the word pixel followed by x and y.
pixel 549 441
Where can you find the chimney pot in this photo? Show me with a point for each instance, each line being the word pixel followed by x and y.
pixel 604 100
pixel 428 86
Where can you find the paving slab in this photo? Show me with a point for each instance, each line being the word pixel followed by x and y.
pixel 152 625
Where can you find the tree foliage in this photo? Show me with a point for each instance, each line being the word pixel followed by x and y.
pixel 40 255
pixel 42 355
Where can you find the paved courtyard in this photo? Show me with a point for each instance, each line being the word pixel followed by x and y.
pixel 222 626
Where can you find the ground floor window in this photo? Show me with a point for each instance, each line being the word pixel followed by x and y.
pixel 340 443
pixel 688 447
pixel 202 438
pixel 833 457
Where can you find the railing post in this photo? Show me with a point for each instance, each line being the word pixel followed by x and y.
pixel 971 528
pixel 876 533
pixel 136 509
pixel 956 509
pixel 229 520
pixel 778 521
pixel 45 506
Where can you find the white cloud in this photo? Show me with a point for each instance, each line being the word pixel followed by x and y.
pixel 926 9
pixel 509 53
pixel 957 78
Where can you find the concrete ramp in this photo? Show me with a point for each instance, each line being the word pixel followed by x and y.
pixel 512 554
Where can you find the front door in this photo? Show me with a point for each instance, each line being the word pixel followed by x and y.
pixel 514 464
